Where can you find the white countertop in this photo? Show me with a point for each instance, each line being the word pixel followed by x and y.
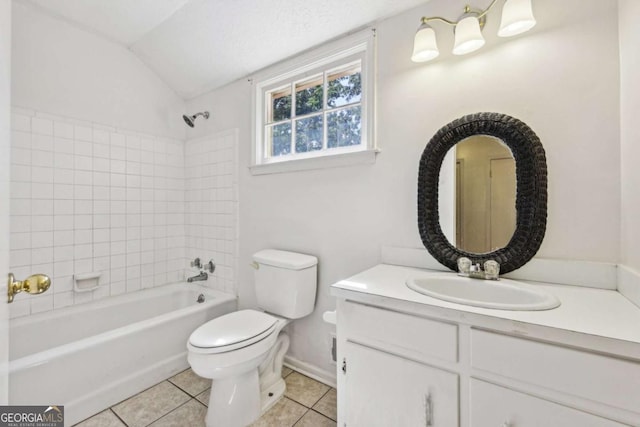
pixel 596 318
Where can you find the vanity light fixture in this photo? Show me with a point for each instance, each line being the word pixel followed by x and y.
pixel 517 17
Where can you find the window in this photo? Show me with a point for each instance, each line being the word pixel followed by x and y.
pixel 319 106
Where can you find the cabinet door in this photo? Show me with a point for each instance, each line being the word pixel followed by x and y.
pixel 388 390
pixel 495 406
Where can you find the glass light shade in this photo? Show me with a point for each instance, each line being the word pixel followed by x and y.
pixel 517 17
pixel 468 36
pixel 425 47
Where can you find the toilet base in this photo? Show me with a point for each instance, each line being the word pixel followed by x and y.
pixel 234 401
pixel 271 395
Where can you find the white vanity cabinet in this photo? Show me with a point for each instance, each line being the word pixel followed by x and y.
pixel 492 405
pixel 412 366
pixel 384 389
pixel 387 377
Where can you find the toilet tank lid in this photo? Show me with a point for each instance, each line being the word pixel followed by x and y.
pixel 285 259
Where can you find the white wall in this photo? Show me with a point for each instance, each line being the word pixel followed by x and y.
pixel 629 131
pixel 61 69
pixel 5 117
pixel 550 78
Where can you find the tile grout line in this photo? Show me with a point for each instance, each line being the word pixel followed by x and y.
pixel 173 410
pixel 185 391
pixel 116 415
pixel 320 413
pixel 301 417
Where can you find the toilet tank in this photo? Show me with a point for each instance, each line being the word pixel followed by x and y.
pixel 285 282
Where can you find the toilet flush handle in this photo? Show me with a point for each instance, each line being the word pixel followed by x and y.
pixel 255 265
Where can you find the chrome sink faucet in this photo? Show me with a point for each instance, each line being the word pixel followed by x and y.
pixel 466 268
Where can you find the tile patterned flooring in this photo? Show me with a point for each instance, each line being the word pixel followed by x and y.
pixel 181 401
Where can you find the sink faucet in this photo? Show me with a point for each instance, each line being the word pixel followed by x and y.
pixel 475 271
pixel 198 278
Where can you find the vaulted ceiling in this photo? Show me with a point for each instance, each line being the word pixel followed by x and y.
pixel 199 45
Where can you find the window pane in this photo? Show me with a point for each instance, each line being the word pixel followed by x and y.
pixel 309 96
pixel 309 134
pixel 344 127
pixel 280 108
pixel 344 87
pixel 279 139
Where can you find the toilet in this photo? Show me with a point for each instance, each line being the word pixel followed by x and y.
pixel 242 352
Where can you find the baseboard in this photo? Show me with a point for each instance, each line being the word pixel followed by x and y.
pixel 629 284
pixel 325 377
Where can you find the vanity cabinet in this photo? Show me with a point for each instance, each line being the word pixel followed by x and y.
pixel 417 368
pixel 384 389
pixel 492 405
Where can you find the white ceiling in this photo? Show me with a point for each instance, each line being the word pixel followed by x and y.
pixel 199 45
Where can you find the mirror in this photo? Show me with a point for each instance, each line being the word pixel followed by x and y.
pixel 483 187
pixel 501 218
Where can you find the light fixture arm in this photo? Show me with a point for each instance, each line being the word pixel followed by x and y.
pixel 467 9
pixel 424 20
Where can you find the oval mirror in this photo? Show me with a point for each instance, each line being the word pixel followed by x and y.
pixel 483 180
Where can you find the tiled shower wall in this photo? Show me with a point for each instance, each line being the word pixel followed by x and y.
pixel 211 188
pixel 92 198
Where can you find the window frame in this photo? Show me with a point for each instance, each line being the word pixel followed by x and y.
pixel 358 47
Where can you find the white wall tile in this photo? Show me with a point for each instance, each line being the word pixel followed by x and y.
pixel 42 158
pixel 41 126
pixel 21 122
pixel 83 133
pixel 100 136
pixel 42 142
pixel 82 148
pixel 85 197
pixel 63 299
pixel 62 129
pixel 210 207
pixel 63 145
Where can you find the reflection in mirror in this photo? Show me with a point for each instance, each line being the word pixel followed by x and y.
pixel 485 210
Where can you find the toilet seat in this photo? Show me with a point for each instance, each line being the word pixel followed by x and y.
pixel 232 331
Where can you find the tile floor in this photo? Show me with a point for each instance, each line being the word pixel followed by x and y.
pixel 181 401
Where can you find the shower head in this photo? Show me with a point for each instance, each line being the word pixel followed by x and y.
pixel 191 119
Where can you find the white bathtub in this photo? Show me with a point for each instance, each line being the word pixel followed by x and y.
pixel 90 356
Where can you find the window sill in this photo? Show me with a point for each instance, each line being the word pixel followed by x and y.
pixel 332 161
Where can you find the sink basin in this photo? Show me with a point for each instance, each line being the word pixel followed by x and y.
pixel 500 294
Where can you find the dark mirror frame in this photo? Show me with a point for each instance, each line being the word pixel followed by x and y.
pixel 531 193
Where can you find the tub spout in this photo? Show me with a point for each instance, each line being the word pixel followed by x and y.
pixel 199 278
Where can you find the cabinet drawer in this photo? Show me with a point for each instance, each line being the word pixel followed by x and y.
pixel 492 405
pixel 401 333
pixel 612 381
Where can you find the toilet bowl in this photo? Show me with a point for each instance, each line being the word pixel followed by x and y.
pixel 243 352
pixel 229 350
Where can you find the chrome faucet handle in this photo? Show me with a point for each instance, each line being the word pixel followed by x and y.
pixel 196 263
pixel 210 266
pixel 491 270
pixel 464 266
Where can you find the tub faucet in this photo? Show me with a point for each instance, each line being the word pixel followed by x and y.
pixel 198 278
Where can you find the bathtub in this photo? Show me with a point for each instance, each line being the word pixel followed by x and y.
pixel 91 356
